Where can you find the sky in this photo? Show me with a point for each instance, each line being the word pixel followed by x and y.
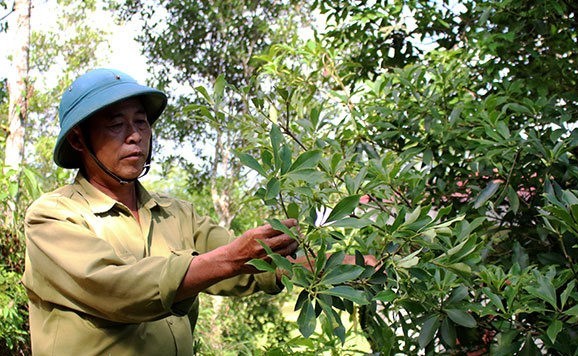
pixel 124 53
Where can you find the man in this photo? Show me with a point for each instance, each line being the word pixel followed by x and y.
pixel 112 269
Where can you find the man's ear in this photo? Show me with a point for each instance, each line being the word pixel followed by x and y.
pixel 76 139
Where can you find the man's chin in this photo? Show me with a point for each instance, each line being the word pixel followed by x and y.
pixel 132 173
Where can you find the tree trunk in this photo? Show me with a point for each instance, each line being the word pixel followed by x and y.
pixel 221 197
pixel 18 86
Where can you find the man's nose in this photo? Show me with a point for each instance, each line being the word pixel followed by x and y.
pixel 133 133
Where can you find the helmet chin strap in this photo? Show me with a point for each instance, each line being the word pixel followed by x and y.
pixel 120 179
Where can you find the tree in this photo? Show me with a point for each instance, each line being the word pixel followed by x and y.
pixel 18 86
pixel 207 43
pixel 455 170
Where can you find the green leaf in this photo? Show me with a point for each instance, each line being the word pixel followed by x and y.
pixel 321 257
pixel 427 156
pixel 219 87
pixel 273 189
pixel 280 261
pixel 287 283
pixel 387 296
pixel 354 295
pixel 261 265
pixel 412 217
pixel 513 199
pixel 486 194
pixel 273 113
pixel 204 93
pixel 251 162
pixel 503 130
pixel 335 259
pixel 461 317
pixel 284 159
pixel 342 273
pixel 458 294
pixel 409 260
pixel 310 176
pixel 308 159
pixel 545 291
pixel 554 329
pixel 572 311
pixel 448 332
pixel 293 210
pixel 301 299
pixel 276 138
pixel 494 298
pixel 529 348
pixel 354 223
pixel 460 268
pixel 516 108
pixel 353 184
pixel 428 331
pixel 566 293
pixel 345 207
pixel 278 225
pixel 306 319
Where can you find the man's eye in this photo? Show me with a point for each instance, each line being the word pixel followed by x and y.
pixel 142 122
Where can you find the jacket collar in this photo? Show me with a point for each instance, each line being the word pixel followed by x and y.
pixel 101 203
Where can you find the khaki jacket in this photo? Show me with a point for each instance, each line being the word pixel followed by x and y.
pixel 100 283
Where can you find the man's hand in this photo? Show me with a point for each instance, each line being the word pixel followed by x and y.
pixel 369 260
pixel 230 260
pixel 248 246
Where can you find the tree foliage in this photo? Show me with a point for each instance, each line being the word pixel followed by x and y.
pixel 455 170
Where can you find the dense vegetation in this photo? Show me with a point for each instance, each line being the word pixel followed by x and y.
pixel 438 136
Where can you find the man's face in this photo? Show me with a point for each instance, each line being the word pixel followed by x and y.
pixel 120 137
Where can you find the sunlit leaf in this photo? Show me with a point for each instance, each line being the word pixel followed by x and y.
pixel 354 295
pixel 342 273
pixel 385 296
pixel 261 265
pixel 344 208
pixel 356 223
pixel 251 162
pixel 219 87
pixel 308 159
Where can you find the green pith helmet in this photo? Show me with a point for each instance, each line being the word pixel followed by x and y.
pixel 93 91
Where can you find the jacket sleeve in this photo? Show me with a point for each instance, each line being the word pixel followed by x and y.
pixel 69 266
pixel 207 236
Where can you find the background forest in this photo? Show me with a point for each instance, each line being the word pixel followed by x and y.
pixel 439 136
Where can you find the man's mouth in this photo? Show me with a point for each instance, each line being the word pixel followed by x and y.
pixel 135 154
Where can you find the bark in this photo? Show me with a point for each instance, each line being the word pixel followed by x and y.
pixel 18 86
pixel 221 197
